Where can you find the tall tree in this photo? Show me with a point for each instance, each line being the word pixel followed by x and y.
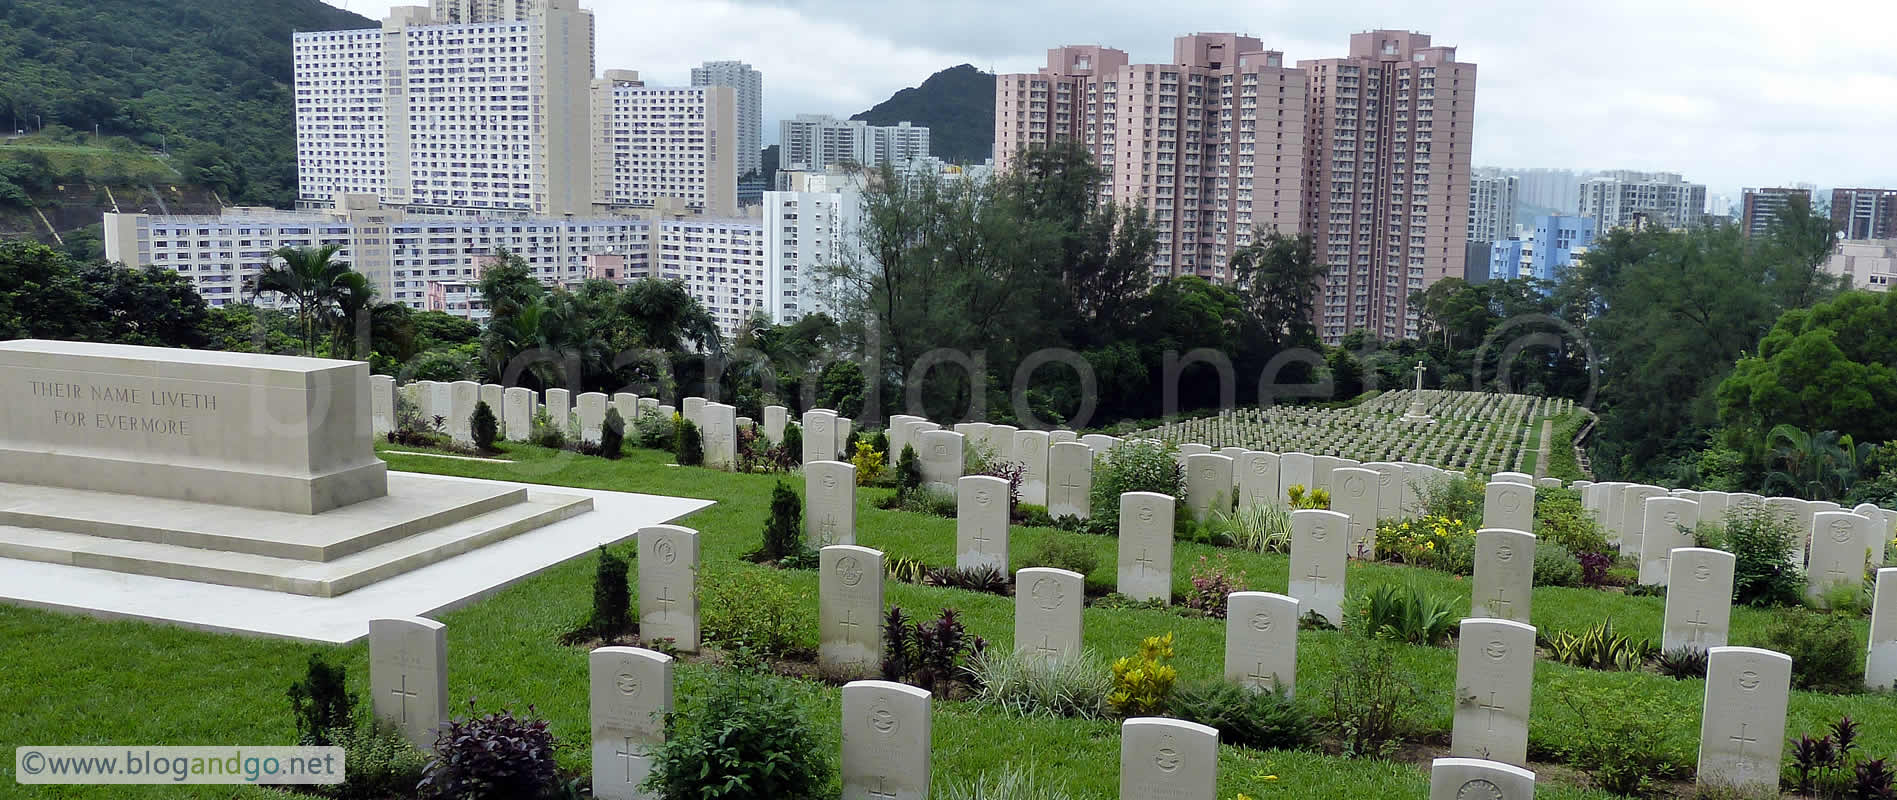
pixel 311 279
pixel 1278 277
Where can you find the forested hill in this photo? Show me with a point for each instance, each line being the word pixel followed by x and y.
pixel 208 80
pixel 957 105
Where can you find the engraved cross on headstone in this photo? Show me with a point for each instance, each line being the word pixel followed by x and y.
pixel 849 624
pixel 405 694
pixel 882 790
pixel 665 602
pixel 1046 648
pixel 1837 571
pixel 1503 608
pixel 981 538
pixel 627 753
pixel 1145 564
pixel 1491 707
pixel 1258 673
pixel 1742 738
pixel 1073 488
pixel 1699 623
pixel 1315 574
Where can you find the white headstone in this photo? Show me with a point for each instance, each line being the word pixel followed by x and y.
pixel 1698 599
pixel 1208 484
pixel 1840 542
pixel 1514 477
pixel 438 401
pixel 887 739
pixel 774 419
pixel 1390 479
pixel 408 675
pixel 1791 511
pixel 1188 450
pixel 1354 494
pixel 560 410
pixel 1880 530
pixel 850 609
pixel 1495 681
pixel 820 435
pixel 1257 474
pixel 941 459
pixel 1504 584
pixel 1712 507
pixel 1030 450
pixel 668 581
pixel 1633 511
pixel 1548 483
pixel 1320 542
pixel 829 503
pixel 692 408
pixel 720 431
pixel 631 694
pixel 1742 725
pixel 381 404
pixel 1059 435
pixel 463 395
pixel 494 395
pixel 1295 469
pixel 1099 443
pixel 1047 604
pixel 1321 469
pixel 844 426
pixel 1509 505
pixel 593 417
pixel 627 404
pixel 1880 669
pixel 1070 480
pixel 518 416
pixel 981 522
pixel 1146 521
pixel 1168 759
pixel 1261 641
pixel 899 434
pixel 1479 779
pixel 1001 440
pixel 1666 525
pixel 648 404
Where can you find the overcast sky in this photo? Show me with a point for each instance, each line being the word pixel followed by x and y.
pixel 1731 93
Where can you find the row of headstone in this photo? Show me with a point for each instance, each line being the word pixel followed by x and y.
pixel 1829 546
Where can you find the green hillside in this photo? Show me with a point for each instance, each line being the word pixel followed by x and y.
pixel 206 80
pixel 957 105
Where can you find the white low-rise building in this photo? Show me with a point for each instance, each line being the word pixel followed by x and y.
pixel 1869 263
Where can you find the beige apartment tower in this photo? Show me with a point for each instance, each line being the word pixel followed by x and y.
pixel 1389 137
pixel 1212 145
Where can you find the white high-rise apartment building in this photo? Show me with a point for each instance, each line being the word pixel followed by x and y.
pixel 435 263
pixel 489 115
pixel 1619 197
pixel 817 142
pixel 1493 199
pixel 748 83
pixel 657 142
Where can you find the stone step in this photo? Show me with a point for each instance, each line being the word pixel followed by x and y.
pixel 314 578
pixel 409 508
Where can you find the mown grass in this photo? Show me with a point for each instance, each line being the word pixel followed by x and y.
pixel 72 680
pixel 126 163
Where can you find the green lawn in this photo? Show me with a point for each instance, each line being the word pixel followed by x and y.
pixel 72 680
pixel 133 165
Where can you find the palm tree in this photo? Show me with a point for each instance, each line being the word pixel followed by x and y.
pixel 311 279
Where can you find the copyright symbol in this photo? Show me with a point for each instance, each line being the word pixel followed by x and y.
pixel 32 763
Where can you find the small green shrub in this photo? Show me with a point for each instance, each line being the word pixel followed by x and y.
pixel 612 596
pixel 1259 720
pixel 1599 647
pixel 783 532
pixel 1440 543
pixel 1298 498
pixel 1402 614
pixel 546 434
pixel 1135 466
pixel 1063 553
pixel 378 763
pixel 1826 653
pixel 908 471
pixel 1142 683
pixel 868 462
pixel 612 435
pixel 1260 528
pixel 494 757
pixel 483 427
pixel 749 608
pixel 1555 566
pixel 656 430
pixel 880 443
pixel 928 500
pixel 1763 571
pixel 1559 518
pixel 1029 685
pixel 793 442
pixel 1369 708
pixel 322 703
pixel 1453 496
pixel 743 737
pixel 691 446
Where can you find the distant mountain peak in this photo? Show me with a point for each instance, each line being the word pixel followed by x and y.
pixel 957 105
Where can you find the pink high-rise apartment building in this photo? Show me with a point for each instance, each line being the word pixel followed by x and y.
pixel 1211 145
pixel 1389 139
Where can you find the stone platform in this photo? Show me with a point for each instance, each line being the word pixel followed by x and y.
pixel 419 522
pixel 433 544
